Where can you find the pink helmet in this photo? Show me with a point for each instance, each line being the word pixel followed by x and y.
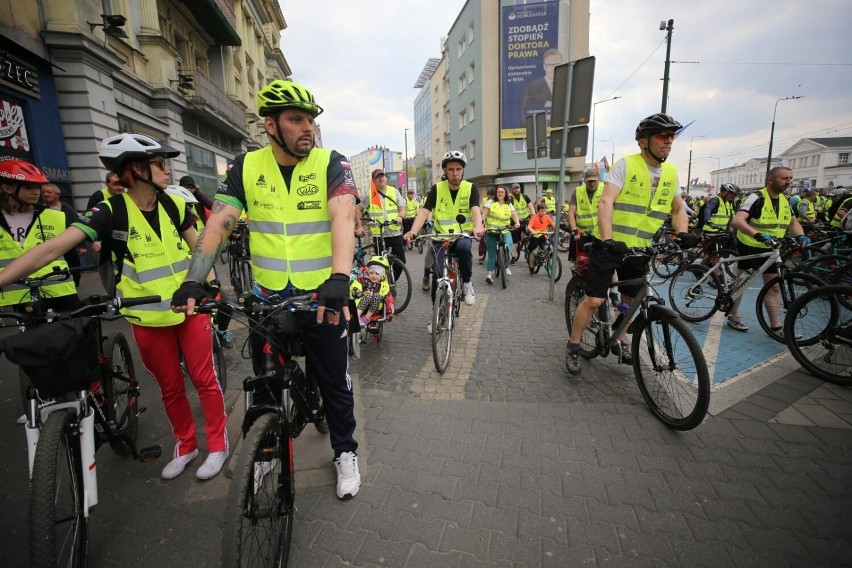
pixel 20 171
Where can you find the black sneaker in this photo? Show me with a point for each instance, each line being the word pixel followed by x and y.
pixel 572 360
pixel 623 351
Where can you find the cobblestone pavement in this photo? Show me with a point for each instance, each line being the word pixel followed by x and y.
pixel 506 461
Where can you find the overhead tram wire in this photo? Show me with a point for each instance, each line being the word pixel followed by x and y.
pixel 637 69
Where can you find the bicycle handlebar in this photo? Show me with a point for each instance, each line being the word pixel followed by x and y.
pixel 252 305
pixel 106 308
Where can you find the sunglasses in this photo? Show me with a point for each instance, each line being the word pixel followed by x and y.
pixel 665 135
pixel 160 163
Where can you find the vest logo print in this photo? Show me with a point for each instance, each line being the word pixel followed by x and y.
pixel 307 190
pixel 134 234
pixel 261 181
pixel 633 178
pixel 310 177
pixel 303 205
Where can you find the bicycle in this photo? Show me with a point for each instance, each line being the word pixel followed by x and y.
pixel 545 258
pixel 818 332
pixel 522 243
pixel 447 304
pixel 84 394
pixel 239 259
pixel 503 254
pixel 280 402
pixel 713 246
pixel 674 382
pixel 399 278
pixel 697 292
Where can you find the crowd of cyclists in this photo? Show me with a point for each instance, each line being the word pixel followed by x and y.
pixel 165 244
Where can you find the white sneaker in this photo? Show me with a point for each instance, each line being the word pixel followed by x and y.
pixel 22 419
pixel 261 469
pixel 177 465
pixel 348 476
pixel 469 294
pixel 212 465
pixel 508 272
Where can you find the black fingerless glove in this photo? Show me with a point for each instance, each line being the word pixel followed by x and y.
pixel 614 247
pixel 333 294
pixel 688 240
pixel 189 290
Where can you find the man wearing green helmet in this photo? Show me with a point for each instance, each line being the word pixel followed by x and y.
pixel 300 201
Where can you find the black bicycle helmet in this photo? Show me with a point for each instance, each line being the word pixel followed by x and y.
pixel 655 124
pixel 731 187
pixel 116 151
pixel 454 156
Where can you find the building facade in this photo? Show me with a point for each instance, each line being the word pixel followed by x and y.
pixel 183 71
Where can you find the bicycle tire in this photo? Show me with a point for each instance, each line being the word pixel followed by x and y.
pixel 574 294
pixel 355 345
pixel 259 514
pixel 795 284
pixel 678 396
pixel 502 265
pixel 234 273
pixel 818 333
pixel 828 268
pixel 729 267
pixel 246 276
pixel 219 364
pixel 420 246
pixel 401 286
pixel 548 266
pixel 442 329
pixel 666 264
pixel 692 302
pixel 58 524
pixel 121 393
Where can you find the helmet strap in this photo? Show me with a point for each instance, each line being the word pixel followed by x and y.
pixel 147 181
pixel 650 153
pixel 278 137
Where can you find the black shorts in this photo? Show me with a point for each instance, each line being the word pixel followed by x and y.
pixel 602 265
pixel 754 263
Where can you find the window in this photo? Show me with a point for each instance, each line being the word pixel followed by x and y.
pixel 471 153
pixel 471 111
pixel 462 45
pixel 843 158
pixel 462 119
pixel 470 34
pixel 471 73
pixel 461 84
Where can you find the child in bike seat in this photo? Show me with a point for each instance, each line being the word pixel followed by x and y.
pixel 371 290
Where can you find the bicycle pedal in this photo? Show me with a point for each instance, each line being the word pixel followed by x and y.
pixel 150 453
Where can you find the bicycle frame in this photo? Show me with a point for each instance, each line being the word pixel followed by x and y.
pixel 772 257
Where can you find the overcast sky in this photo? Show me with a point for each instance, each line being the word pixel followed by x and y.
pixel 362 59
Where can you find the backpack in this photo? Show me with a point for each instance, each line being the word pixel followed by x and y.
pixel 118 241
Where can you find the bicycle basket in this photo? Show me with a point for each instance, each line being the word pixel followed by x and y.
pixel 58 357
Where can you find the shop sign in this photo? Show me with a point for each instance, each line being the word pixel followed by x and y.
pixel 18 75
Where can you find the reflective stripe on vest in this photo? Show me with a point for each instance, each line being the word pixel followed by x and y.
pixel 499 215
pixel 721 217
pixel 155 265
pixel 389 213
pixel 769 222
pixel 290 227
pixel 636 216
pixel 45 226
pixel 446 210
pixel 522 208
pixel 587 210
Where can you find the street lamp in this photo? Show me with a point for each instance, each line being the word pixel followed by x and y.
pixel 406 161
pixel 772 132
pixel 689 170
pixel 593 123
pixel 668 29
pixel 612 157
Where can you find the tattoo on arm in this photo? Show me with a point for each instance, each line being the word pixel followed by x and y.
pixel 217 206
pixel 202 262
pixel 230 223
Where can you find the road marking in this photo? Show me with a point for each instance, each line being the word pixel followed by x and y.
pixel 712 342
pixel 430 384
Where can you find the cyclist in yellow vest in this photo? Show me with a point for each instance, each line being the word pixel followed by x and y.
pixel 719 210
pixel 765 214
pixel 156 261
pixel 525 209
pixel 447 200
pixel 301 202
pixel 583 209
pixel 806 212
pixel 639 194
pixel 412 206
pixel 499 213
pixel 386 204
pixel 550 203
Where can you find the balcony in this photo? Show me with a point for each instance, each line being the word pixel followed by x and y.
pixel 217 17
pixel 208 94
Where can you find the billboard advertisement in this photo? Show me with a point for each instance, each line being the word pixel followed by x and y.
pixel 529 54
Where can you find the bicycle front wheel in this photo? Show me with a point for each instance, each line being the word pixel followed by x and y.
pixel 502 264
pixel 818 333
pixel 574 295
pixel 671 371
pixel 401 285
pixel 219 360
pixel 58 525
pixel 260 511
pixel 121 392
pixel 693 293
pixel 550 265
pixel 442 329
pixel 772 302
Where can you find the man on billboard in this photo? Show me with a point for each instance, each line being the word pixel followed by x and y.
pixel 539 93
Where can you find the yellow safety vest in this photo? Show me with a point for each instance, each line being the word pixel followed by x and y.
pixel 499 216
pixel 154 266
pixel 721 217
pixel 811 211
pixel 446 210
pixel 769 222
pixel 44 227
pixel 587 209
pixel 290 226
pixel 637 215
pixel 846 205
pixel 388 212
pixel 411 207
pixel 550 202
pixel 522 208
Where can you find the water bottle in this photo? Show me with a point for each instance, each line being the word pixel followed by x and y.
pixel 741 280
pixel 623 307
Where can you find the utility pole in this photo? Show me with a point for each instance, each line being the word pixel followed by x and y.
pixel 669 29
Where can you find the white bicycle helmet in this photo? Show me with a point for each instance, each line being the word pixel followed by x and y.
pixel 116 151
pixel 454 156
pixel 181 192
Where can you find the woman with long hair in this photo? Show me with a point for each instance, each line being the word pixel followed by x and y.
pixel 498 212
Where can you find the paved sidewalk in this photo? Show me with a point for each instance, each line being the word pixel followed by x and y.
pixel 505 460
